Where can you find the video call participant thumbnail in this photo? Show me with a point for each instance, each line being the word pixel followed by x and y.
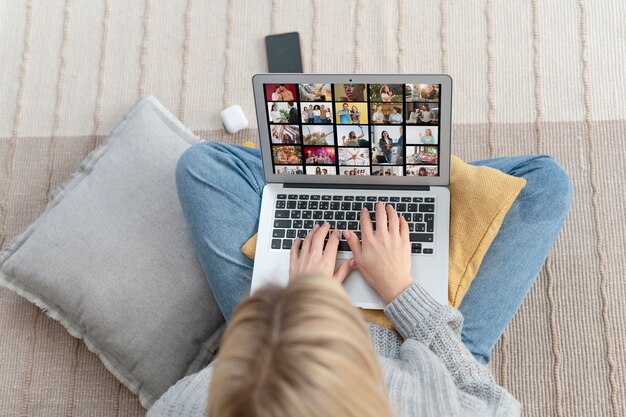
pixel 354 156
pixel 386 113
pixel 388 171
pixel 422 171
pixel 354 171
pixel 321 170
pixel 282 112
pixel 388 145
pixel 318 135
pixel 423 92
pixel 350 92
pixel 315 92
pixel 422 135
pixel 287 155
pixel 280 92
pixel 386 93
pixel 319 113
pixel 285 134
pixel 276 114
pixel 289 170
pixel 353 136
pixel 425 155
pixel 351 113
pixel 322 155
pixel 423 113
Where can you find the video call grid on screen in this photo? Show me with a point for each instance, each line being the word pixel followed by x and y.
pixel 313 133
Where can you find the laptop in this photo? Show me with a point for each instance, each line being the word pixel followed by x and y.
pixel 334 143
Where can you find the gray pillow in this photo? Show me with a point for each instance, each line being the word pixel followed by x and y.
pixel 111 259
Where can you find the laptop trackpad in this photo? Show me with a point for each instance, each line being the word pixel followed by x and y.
pixel 360 292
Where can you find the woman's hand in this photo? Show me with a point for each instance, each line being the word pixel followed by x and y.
pixel 310 257
pixel 384 255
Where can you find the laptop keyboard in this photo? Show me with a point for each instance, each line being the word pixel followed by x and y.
pixel 296 214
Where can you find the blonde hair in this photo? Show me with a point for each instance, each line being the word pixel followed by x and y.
pixel 297 351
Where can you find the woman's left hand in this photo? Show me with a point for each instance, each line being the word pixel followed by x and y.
pixel 310 257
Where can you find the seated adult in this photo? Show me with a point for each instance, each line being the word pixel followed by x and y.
pixel 304 350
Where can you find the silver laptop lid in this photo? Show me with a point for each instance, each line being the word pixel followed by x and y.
pixel 355 128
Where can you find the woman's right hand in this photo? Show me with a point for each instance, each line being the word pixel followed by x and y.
pixel 383 256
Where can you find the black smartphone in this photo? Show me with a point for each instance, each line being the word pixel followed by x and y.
pixel 283 52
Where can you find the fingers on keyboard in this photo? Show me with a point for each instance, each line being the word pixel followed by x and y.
pixel 295 215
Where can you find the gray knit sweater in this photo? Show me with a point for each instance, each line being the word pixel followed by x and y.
pixel 428 370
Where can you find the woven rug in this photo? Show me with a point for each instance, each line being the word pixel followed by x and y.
pixel 529 77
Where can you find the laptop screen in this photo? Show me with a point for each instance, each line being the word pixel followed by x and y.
pixel 354 129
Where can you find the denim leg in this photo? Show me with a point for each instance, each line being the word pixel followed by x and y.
pixel 518 252
pixel 219 187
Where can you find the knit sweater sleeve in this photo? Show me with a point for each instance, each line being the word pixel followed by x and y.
pixel 188 397
pixel 418 317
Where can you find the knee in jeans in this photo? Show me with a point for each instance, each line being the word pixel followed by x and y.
pixel 548 189
pixel 193 158
pixel 558 180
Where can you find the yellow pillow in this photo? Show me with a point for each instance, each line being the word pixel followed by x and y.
pixel 480 197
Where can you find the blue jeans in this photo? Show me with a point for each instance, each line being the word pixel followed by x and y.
pixel 220 187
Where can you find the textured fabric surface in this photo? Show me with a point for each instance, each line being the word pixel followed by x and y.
pixel 482 197
pixel 428 363
pixel 529 77
pixel 110 258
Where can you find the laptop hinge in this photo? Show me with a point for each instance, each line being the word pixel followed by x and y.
pixel 360 186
